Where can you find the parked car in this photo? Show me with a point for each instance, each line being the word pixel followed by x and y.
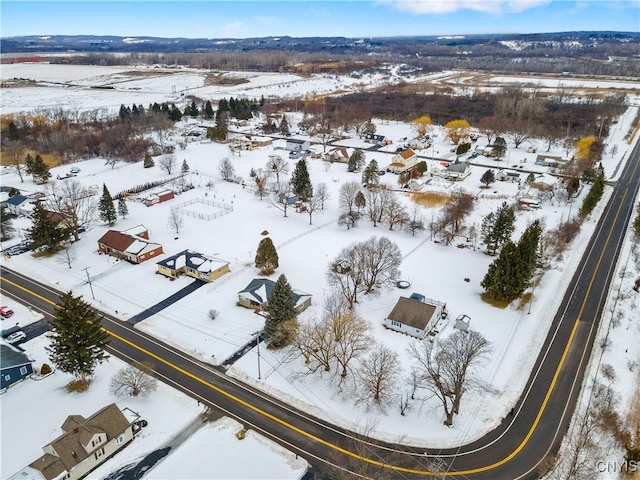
pixel 5 312
pixel 17 249
pixel 75 170
pixel 16 337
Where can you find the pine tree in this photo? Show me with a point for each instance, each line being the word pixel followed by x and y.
pixel 193 109
pixel 356 160
pixel 106 207
pixel 279 310
pixel 499 147
pixel 504 280
pixel 488 177
pixel 594 195
pixel 266 257
pixel 185 166
pixel 44 232
pixel 636 223
pixel 498 226
pixel 78 342
pixel 148 161
pixel 6 225
pixel 123 211
pixel 208 109
pixel 284 126
pixel 528 248
pixel 371 173
pixel 300 181
pixel 37 168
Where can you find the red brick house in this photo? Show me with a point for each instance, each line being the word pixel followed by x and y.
pixel 130 246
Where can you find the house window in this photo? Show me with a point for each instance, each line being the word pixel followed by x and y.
pixel 396 324
pixel 99 453
pixel 23 370
pixel 120 439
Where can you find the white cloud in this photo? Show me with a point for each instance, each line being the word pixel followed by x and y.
pixel 449 6
pixel 231 29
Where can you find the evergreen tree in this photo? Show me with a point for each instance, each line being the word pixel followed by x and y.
pixel 123 211
pixel 371 173
pixel 124 113
pixel 266 257
pixel 284 126
pixel 148 161
pixel 44 232
pixel 356 160
pixel 300 181
pixel 134 111
pixel 78 342
pixel 175 114
pixel 488 177
pixel 194 111
pixel 185 166
pixel 369 128
pixel 504 280
pixel 528 248
pixel 6 225
pixel 37 168
pixel 280 309
pixel 208 110
pixel 636 223
pixel 498 226
pixel 106 207
pixel 499 147
pixel 594 195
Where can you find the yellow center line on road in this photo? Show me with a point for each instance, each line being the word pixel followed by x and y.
pixel 371 461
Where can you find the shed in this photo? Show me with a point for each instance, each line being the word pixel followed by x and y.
pixel 14 366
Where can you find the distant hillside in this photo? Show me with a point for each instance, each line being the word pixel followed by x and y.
pixel 592 53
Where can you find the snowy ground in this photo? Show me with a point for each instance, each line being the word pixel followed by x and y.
pixel 305 250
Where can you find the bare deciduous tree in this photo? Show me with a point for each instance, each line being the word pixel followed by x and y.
pixel 67 255
pixel 226 169
pixel 352 339
pixel 313 204
pixel 395 213
pixel 277 166
pixel 134 380
pixel 74 203
pixel 281 202
pixel 347 196
pixel 175 220
pixel 167 162
pixel 378 376
pixel 443 366
pixel 322 194
pixel 416 221
pixel 14 153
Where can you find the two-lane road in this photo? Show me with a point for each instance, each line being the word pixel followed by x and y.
pixel 512 451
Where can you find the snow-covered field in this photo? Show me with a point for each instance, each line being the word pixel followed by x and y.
pixel 435 270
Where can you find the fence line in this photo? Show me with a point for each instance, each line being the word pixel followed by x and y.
pixel 203 216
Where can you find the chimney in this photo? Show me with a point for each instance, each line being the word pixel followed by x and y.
pixel 75 430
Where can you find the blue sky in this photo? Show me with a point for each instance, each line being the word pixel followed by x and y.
pixel 298 18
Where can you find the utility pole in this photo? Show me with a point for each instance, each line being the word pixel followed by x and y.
pixel 86 270
pixel 258 347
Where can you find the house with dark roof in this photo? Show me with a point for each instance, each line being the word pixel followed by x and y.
pixel 297 145
pixel 132 245
pixel 84 444
pixel 337 154
pixel 257 294
pixel 458 171
pixel 193 264
pixel 14 366
pixel 20 205
pixel 414 316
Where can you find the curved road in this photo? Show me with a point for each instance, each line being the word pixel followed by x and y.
pixel 515 450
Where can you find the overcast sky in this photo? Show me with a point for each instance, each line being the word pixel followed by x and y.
pixel 299 18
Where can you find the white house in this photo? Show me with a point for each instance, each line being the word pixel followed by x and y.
pixel 403 161
pixel 414 316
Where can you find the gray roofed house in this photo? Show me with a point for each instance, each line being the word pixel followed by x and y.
pixel 85 444
pixel 14 366
pixel 458 171
pixel 414 317
pixel 20 205
pixel 258 292
pixel 193 264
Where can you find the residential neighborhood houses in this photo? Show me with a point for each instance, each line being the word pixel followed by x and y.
pixel 132 244
pixel 84 444
pixel 304 250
